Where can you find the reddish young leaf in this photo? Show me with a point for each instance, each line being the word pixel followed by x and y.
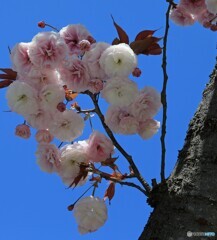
pixel 9 71
pixel 154 49
pixel 141 45
pixel 5 83
pixel 116 41
pixel 109 161
pixel 121 33
pixel 110 192
pixel 144 34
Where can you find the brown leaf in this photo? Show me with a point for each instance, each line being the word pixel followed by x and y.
pixel 81 176
pixel 117 176
pixel 5 83
pixel 109 161
pixel 144 34
pixel 9 74
pixel 121 33
pixel 110 192
pixel 116 41
pixel 154 49
pixel 141 45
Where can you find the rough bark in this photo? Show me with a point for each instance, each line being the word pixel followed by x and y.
pixel 187 201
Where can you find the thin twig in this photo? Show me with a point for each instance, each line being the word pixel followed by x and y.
pixel 164 94
pixel 113 179
pixel 117 145
pixel 86 111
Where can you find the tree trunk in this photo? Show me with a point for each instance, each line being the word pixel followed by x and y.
pixel 187 201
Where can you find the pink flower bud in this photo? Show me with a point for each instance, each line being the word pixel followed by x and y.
pixel 61 107
pixel 41 24
pixel 84 45
pixel 43 136
pixel 136 72
pixel 23 131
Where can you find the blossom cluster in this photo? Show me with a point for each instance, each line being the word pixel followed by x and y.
pixel 187 12
pixel 70 59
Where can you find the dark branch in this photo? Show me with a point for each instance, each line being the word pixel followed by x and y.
pixel 117 145
pixel 113 179
pixel 164 94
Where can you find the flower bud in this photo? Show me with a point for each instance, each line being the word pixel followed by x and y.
pixel 84 45
pixel 23 131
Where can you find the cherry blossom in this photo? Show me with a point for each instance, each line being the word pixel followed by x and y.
pixel 23 131
pixel 67 126
pixel 120 91
pixel 73 34
pixel 181 16
pixel 99 147
pixel 146 104
pixel 22 98
pixel 92 58
pixel 148 128
pixel 75 74
pixel 48 157
pixel 90 214
pixel 72 155
pixel 120 120
pixel 118 60
pixel 20 58
pixel 47 50
pixel 211 6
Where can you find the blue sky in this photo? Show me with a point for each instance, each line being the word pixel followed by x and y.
pixel 33 204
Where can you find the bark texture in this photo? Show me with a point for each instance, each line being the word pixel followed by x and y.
pixel 187 201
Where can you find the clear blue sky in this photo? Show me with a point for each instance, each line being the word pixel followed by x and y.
pixel 33 204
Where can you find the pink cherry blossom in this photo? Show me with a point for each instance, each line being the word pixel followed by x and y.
pixel 72 155
pixel 50 96
pixel 207 19
pixel 47 50
pixel 66 126
pixel 40 119
pixel 48 157
pixel 23 131
pixel 99 147
pixel 75 75
pixel 181 16
pixel 20 58
pixel 38 78
pixel 120 120
pixel 146 104
pixel 43 136
pixel 95 85
pixel 192 6
pixel 211 6
pixel 118 60
pixel 22 98
pixel 92 58
pixel 148 128
pixel 90 214
pixel 72 35
pixel 120 91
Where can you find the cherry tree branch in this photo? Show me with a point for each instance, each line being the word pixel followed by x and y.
pixel 164 93
pixel 113 179
pixel 117 145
